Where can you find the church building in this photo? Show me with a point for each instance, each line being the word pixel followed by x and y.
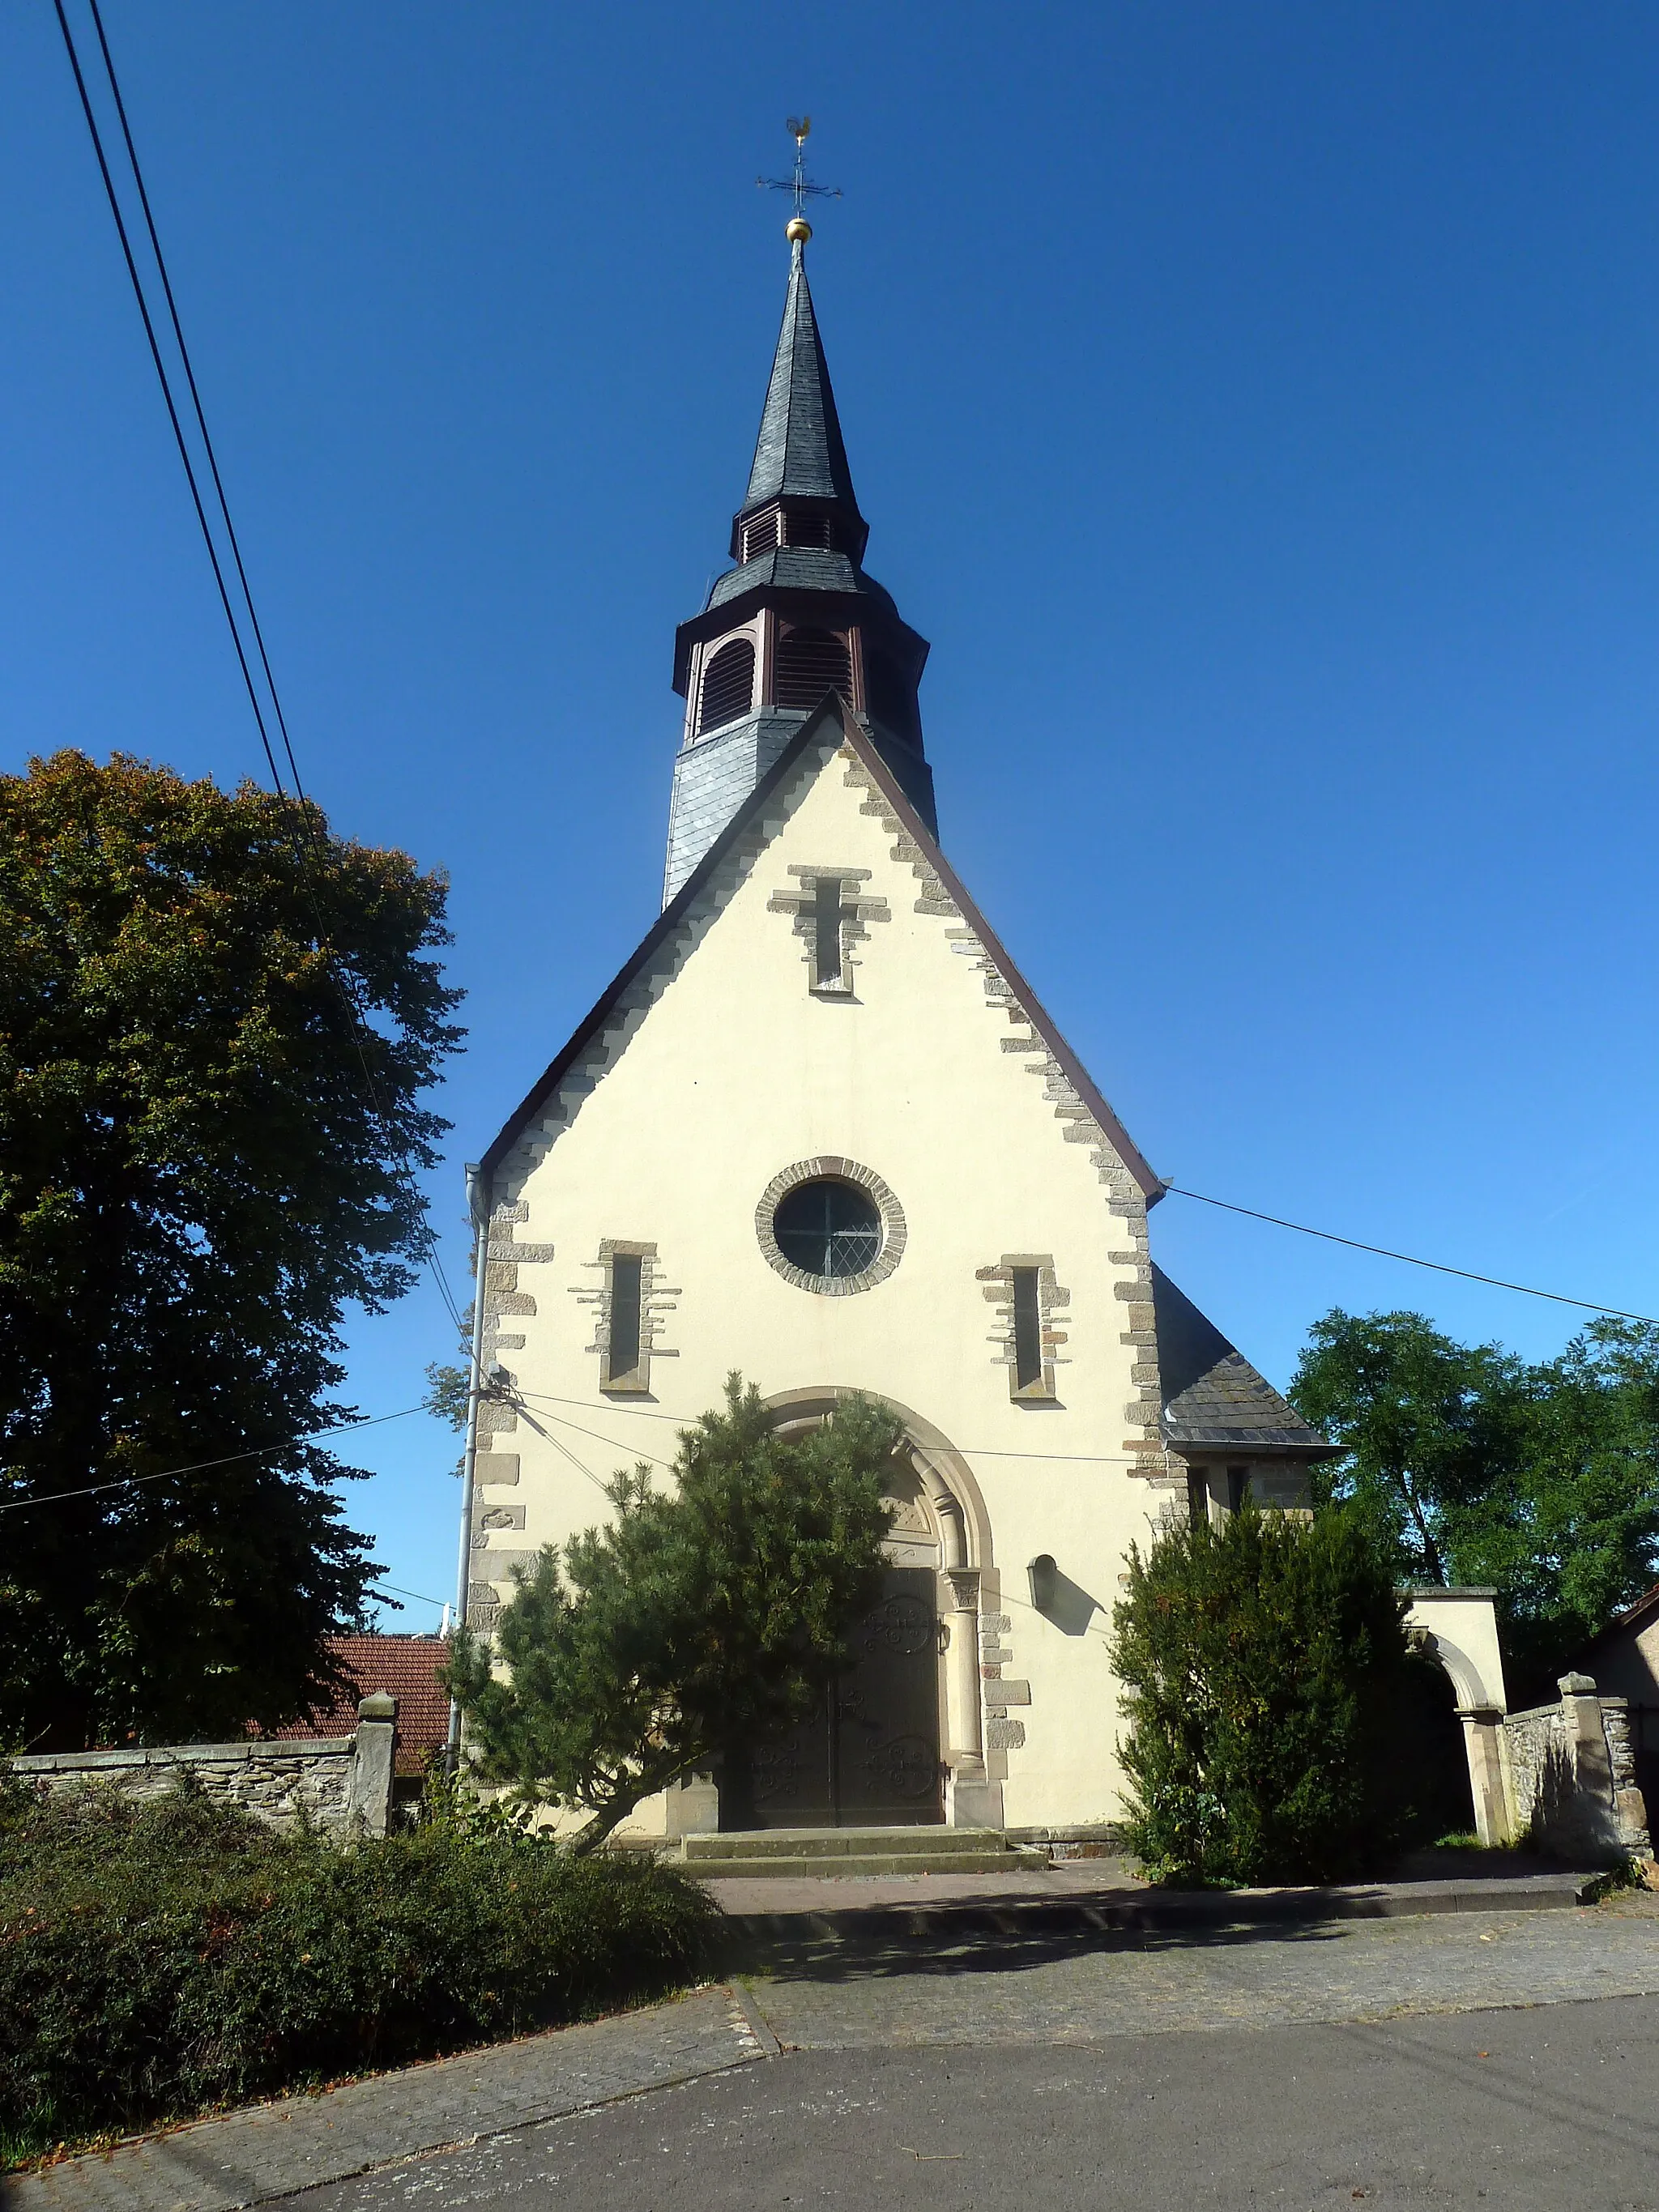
pixel 820 1129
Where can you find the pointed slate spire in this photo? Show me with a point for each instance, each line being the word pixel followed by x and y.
pixel 800 453
pixel 797 616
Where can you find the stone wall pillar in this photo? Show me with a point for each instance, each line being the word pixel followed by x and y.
pixel 1620 1811
pixel 374 1763
pixel 692 1806
pixel 1489 1778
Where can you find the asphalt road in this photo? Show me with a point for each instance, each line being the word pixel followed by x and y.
pixel 1552 2108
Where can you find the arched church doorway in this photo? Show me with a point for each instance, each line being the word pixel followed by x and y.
pixel 875 1753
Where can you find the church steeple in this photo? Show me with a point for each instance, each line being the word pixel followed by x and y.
pixel 800 455
pixel 797 616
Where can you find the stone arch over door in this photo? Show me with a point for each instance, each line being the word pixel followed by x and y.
pixel 957 1529
pixel 1459 1629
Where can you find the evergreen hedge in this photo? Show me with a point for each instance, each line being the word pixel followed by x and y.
pixel 1269 1691
pixel 158 1959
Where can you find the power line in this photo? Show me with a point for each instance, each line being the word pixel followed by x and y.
pixel 200 1466
pixel 161 371
pixel 195 395
pixel 1439 1266
pixel 420 1597
pixel 303 810
pixel 643 1412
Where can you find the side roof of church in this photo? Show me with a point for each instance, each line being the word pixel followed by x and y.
pixel 1213 1399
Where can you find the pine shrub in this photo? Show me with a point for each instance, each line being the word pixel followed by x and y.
pixel 1265 1671
pixel 161 1958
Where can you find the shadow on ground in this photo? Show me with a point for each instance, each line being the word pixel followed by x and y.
pixel 923 1941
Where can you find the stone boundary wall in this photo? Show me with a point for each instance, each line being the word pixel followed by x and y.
pixel 1574 1776
pixel 341 1784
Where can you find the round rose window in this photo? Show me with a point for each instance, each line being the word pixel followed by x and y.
pixel 827 1228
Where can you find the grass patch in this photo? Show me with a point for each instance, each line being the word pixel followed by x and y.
pixel 158 1961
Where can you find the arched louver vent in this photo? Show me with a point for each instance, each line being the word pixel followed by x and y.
pixel 890 698
pixel 728 686
pixel 808 529
pixel 760 534
pixel 810 663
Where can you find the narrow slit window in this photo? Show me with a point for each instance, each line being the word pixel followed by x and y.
pixel 1238 1487
pixel 828 973
pixel 623 1358
pixel 1198 1497
pixel 1028 1330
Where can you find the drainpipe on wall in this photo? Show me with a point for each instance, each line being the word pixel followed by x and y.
pixel 477 1204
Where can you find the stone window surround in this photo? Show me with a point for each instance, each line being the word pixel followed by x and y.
pixel 656 1300
pixel 893 1229
pixel 858 908
pixel 1053 1304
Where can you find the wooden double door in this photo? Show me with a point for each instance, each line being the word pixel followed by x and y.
pixel 870 1756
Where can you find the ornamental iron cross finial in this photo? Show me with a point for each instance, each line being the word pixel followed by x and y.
pixel 801 185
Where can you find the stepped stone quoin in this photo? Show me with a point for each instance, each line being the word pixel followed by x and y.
pixel 821 1128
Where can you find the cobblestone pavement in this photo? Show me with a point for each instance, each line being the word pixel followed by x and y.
pixel 999 1989
pixel 992 2008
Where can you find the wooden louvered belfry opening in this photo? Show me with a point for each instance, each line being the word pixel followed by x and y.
pixel 810 662
pixel 808 529
pixel 728 685
pixel 760 534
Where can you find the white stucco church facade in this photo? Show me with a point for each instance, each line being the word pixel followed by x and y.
pixel 820 1128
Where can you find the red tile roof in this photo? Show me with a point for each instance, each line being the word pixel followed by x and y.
pixel 405 1667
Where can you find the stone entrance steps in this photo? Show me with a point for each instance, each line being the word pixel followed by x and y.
pixel 793 1853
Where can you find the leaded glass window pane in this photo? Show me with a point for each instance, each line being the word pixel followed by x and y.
pixel 827 1228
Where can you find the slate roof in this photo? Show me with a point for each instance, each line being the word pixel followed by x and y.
pixel 406 1667
pixel 1213 1396
pixel 799 452
pixel 798 568
pixel 832 717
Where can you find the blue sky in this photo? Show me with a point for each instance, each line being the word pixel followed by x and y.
pixel 1255 407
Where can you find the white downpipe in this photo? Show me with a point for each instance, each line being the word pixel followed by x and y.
pixel 477 1204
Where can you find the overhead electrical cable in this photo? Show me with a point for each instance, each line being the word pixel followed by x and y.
pixel 195 395
pixel 1439 1266
pixel 166 383
pixel 200 1466
pixel 298 805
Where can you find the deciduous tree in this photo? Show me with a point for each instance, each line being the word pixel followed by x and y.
pixel 211 1062
pixel 1539 1480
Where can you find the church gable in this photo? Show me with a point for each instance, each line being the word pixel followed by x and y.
pixel 823 1001
pixel 832 907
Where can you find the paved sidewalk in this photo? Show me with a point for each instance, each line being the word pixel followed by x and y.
pixel 274 2150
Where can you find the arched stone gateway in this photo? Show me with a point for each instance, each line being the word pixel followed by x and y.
pixel 899 1740
pixel 1459 1628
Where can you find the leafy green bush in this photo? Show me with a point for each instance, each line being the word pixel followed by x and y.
pixel 1266 1674
pixel 160 1958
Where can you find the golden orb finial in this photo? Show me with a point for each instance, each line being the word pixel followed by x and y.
pixel 797 230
